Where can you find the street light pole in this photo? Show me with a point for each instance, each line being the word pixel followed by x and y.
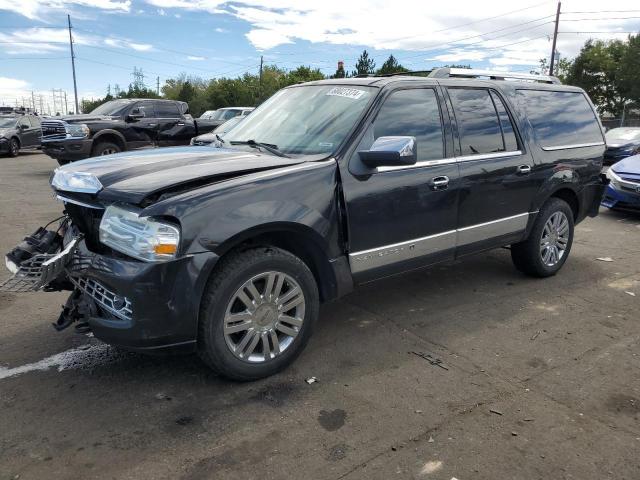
pixel 555 38
pixel 73 65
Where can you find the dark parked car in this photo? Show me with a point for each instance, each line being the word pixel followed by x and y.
pixel 623 191
pixel 208 138
pixel 621 143
pixel 19 132
pixel 119 125
pixel 230 251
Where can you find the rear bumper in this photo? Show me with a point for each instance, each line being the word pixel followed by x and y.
pixel 591 196
pixel 68 150
pixel 615 198
pixel 164 298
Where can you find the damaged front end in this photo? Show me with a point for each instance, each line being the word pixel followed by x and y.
pixel 41 262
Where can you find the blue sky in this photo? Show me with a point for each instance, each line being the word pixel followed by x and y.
pixel 212 38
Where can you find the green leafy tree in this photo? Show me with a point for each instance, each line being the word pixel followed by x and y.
pixel 629 71
pixel 391 65
pixel 597 70
pixel 364 65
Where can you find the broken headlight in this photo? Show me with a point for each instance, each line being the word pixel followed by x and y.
pixel 139 237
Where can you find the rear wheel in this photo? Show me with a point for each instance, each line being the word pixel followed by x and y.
pixel 105 148
pixel 14 147
pixel 258 313
pixel 546 249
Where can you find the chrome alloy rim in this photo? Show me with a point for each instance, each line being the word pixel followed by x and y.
pixel 555 238
pixel 264 316
pixel 108 151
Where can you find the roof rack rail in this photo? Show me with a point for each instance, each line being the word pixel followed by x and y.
pixel 493 75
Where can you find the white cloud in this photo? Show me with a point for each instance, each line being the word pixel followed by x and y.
pixel 161 12
pixel 36 9
pixel 195 58
pixel 458 55
pixel 47 40
pixel 12 84
pixel 221 30
pixel 439 30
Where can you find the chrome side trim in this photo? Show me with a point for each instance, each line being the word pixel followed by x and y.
pixel 423 163
pixel 495 228
pixel 449 161
pixel 488 156
pixel 397 252
pixel 78 202
pixel 575 145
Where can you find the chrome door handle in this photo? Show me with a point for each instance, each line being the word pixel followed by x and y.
pixel 152 124
pixel 181 124
pixel 440 182
pixel 524 169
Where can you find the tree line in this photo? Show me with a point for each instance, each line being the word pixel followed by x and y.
pixel 609 71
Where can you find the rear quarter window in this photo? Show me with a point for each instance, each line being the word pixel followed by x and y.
pixel 560 119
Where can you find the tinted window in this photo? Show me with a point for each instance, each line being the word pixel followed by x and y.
pixel 146 109
pixel 560 118
pixel 24 121
pixel 35 121
pixel 167 110
pixel 508 134
pixel 477 119
pixel 413 113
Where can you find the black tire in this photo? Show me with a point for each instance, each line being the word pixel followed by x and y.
pixel 14 147
pixel 105 148
pixel 527 255
pixel 233 272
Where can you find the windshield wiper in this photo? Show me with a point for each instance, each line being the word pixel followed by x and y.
pixel 267 146
pixel 219 138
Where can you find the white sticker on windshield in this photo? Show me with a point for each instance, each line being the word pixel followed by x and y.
pixel 353 93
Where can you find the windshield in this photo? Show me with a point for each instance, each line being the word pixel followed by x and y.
pixel 115 107
pixel 207 114
pixel 306 120
pixel 7 122
pixel 225 114
pixel 622 134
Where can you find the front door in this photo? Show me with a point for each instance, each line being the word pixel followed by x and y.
pixel 496 171
pixel 400 218
pixel 142 131
pixel 174 129
pixel 29 135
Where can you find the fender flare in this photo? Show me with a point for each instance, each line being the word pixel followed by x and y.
pixel 111 132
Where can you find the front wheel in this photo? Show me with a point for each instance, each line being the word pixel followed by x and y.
pixel 546 249
pixel 258 312
pixel 14 147
pixel 105 148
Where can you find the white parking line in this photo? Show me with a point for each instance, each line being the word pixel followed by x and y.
pixel 82 357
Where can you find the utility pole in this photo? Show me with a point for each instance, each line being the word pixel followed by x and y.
pixel 158 85
pixel 73 64
pixel 66 105
pixel 53 94
pixel 33 101
pixel 555 38
pixel 260 85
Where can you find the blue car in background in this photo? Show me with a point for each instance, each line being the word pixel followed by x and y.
pixel 623 190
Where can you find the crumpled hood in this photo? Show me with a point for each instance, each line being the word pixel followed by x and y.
pixel 628 165
pixel 133 176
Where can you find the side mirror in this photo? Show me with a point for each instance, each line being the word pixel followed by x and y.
pixel 135 114
pixel 22 126
pixel 391 152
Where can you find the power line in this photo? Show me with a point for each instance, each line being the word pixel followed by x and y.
pixel 607 11
pixel 604 31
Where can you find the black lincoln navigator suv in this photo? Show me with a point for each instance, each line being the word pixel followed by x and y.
pixel 229 249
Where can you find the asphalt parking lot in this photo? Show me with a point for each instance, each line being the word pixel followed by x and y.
pixel 465 371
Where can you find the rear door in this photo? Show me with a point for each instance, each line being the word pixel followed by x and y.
pixel 403 217
pixel 496 171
